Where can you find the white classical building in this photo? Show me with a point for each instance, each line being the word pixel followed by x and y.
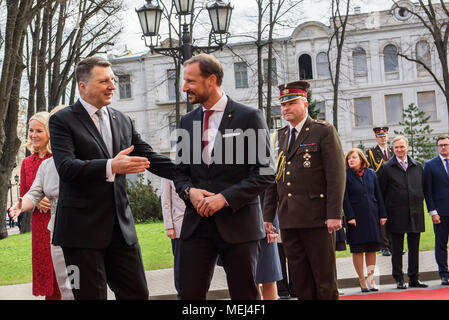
pixel 376 83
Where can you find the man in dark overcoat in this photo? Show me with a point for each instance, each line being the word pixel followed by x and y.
pixel 309 191
pixel 401 181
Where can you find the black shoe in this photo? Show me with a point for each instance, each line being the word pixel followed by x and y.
pixel 283 295
pixel 364 289
pixel 417 284
pixel 386 253
pixel 445 281
pixel 400 284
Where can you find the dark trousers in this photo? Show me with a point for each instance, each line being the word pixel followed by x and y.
pixel 441 231
pixel 313 266
pixel 199 255
pixel 385 237
pixel 176 248
pixel 120 266
pixel 397 246
pixel 285 285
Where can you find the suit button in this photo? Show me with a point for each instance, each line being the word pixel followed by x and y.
pixel 321 196
pixel 289 195
pixel 288 173
pixel 288 184
pixel 289 163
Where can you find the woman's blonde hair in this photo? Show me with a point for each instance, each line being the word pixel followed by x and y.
pixel 43 118
pixel 364 164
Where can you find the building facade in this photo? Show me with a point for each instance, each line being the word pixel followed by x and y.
pixel 376 84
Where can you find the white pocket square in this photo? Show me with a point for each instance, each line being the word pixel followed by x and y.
pixel 227 135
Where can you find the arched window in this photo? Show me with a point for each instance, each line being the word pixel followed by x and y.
pixel 359 62
pixel 423 55
pixel 391 63
pixel 322 65
pixel 305 67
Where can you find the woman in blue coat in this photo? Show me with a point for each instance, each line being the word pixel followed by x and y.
pixel 364 212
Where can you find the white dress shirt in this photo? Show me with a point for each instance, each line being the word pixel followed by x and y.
pixel 214 122
pixel 298 128
pixel 91 110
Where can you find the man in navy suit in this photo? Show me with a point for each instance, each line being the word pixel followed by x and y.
pixel 436 190
pixel 220 177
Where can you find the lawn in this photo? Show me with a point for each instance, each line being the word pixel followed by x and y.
pixel 15 251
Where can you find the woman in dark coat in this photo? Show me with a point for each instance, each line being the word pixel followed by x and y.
pixel 365 213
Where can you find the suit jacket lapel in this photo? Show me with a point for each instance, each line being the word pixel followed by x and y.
pixel 301 136
pixel 225 123
pixel 88 123
pixel 115 132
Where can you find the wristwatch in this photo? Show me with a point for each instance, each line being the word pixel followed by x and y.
pixel 185 194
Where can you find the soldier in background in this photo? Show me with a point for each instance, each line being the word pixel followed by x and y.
pixel 376 156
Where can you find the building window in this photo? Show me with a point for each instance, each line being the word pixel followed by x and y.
pixel 171 128
pixel 359 62
pixel 423 55
pixel 124 84
pixel 362 111
pixel 394 108
pixel 391 63
pixel 305 67
pixel 277 122
pixel 322 65
pixel 274 74
pixel 427 103
pixel 322 107
pixel 241 75
pixel 171 83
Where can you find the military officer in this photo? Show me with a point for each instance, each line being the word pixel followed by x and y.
pixel 309 191
pixel 380 153
pixel 376 156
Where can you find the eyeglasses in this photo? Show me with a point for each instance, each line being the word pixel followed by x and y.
pixel 443 145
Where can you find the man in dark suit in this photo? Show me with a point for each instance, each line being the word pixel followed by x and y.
pixel 436 191
pixel 309 190
pixel 377 156
pixel 401 181
pixel 223 167
pixel 94 224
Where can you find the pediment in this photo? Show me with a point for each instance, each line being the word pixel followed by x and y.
pixel 310 30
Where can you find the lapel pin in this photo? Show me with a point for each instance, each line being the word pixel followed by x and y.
pixel 230 116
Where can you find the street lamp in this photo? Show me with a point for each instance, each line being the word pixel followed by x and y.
pixel 150 16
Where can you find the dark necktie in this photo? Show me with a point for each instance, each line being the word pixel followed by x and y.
pixel 385 154
pixel 447 166
pixel 292 139
pixel 105 133
pixel 207 114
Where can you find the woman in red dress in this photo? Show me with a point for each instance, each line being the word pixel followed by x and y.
pixel 44 280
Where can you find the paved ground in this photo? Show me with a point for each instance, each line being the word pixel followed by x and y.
pixel 160 282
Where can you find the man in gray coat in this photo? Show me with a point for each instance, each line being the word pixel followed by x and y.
pixel 401 181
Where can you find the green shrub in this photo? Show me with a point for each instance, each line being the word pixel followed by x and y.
pixel 144 202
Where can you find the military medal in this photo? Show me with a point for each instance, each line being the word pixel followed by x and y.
pixel 307 164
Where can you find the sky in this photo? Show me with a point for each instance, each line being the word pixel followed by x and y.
pixel 243 19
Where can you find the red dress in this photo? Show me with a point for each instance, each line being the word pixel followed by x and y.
pixel 44 281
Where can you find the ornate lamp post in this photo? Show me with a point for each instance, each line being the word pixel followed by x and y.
pixel 150 16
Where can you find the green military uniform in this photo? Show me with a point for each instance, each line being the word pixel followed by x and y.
pixel 309 189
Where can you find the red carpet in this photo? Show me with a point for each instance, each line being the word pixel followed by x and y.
pixel 435 294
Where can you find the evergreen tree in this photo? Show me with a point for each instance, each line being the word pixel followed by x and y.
pixel 313 112
pixel 416 129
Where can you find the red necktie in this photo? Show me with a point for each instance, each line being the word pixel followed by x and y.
pixel 207 114
pixel 385 154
